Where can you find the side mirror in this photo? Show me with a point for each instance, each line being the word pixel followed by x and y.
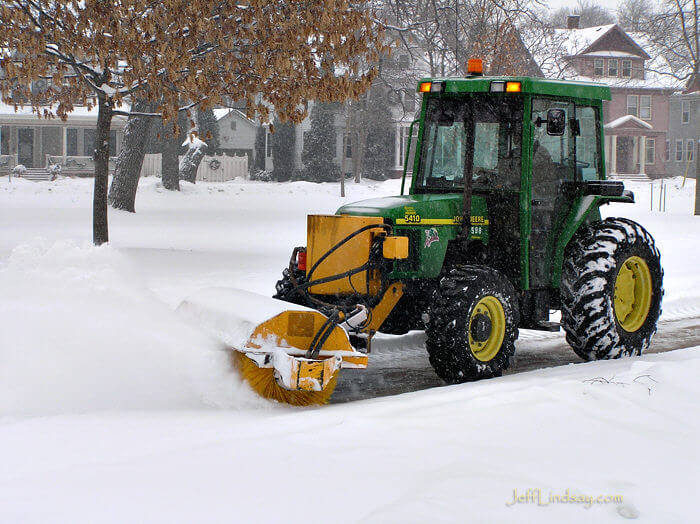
pixel 556 122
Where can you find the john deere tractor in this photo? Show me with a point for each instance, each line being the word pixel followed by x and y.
pixel 500 227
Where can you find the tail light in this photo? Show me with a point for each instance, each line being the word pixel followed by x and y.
pixel 301 260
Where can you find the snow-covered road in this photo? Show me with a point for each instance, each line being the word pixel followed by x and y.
pixel 114 409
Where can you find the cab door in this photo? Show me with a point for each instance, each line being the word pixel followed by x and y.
pixel 552 154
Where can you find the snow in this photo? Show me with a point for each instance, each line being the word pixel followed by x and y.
pixel 625 119
pixel 114 408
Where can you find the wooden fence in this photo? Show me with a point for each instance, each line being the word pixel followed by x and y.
pixel 211 169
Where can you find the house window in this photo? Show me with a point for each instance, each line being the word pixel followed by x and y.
pixel 685 111
pixel 632 105
pixel 4 140
pixel 268 144
pixel 650 151
pixel 612 67
pixel 689 149
pixel 598 66
pixel 88 142
pixel 233 125
pixel 645 107
pixel 679 150
pixel 627 68
pixel 409 101
pixel 668 150
pixel 348 146
pixel 72 141
pixel 404 62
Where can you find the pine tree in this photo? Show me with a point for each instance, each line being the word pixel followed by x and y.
pixel 379 146
pixel 319 150
pixel 209 131
pixel 283 140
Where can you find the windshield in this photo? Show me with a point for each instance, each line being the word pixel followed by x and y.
pixel 493 122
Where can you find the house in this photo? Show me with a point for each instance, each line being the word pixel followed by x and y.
pixel 683 138
pixel 35 142
pixel 637 118
pixel 236 133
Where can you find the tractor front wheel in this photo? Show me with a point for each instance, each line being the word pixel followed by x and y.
pixel 472 324
pixel 611 290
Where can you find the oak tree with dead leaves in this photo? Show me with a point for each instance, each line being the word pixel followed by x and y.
pixel 273 53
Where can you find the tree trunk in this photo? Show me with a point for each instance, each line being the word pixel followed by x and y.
pixel 169 161
pixel 697 178
pixel 190 162
pixel 100 230
pixel 122 193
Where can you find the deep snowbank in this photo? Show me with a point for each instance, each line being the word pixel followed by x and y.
pixel 625 428
pixel 79 331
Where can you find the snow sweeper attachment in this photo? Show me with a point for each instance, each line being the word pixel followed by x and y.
pixel 285 352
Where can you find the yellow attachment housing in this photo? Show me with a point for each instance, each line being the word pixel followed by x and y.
pixel 324 232
pixel 295 331
pixel 395 247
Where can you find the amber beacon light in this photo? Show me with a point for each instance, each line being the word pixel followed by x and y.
pixel 475 66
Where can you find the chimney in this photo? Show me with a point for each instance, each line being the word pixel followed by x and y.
pixel 572 21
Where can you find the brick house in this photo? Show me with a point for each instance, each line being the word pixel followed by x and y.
pixel 637 118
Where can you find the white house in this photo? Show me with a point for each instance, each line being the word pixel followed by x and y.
pixel 29 140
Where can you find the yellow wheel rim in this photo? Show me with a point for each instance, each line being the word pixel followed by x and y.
pixel 487 349
pixel 633 291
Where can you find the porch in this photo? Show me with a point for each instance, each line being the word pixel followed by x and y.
pixel 632 147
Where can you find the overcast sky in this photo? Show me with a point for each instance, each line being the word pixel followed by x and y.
pixel 610 5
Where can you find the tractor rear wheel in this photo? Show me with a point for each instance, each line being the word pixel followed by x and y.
pixel 611 290
pixel 472 324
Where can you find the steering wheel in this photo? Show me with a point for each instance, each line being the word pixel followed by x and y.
pixel 483 177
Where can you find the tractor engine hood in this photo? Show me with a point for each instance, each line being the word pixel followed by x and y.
pixel 437 209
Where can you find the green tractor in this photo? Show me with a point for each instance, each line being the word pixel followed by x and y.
pixel 500 227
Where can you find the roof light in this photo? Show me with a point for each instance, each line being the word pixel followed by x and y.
pixel 437 87
pixel 475 66
pixel 424 87
pixel 498 87
pixel 512 87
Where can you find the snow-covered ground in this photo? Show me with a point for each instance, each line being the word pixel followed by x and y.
pixel 113 408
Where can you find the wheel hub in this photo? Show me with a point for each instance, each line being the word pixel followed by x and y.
pixel 480 327
pixel 633 291
pixel 487 328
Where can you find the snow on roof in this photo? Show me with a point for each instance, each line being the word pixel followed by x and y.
pixel 619 122
pixel 221 112
pixel 554 58
pixel 8 113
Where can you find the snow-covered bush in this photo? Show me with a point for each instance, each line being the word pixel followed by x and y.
pixel 260 175
pixel 19 170
pixel 54 171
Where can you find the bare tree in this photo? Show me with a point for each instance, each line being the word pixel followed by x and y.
pixel 674 34
pixel 634 15
pixel 591 13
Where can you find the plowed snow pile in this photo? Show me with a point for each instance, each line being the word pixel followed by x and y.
pixel 80 332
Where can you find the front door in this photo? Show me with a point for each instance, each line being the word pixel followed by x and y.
pixel 25 146
pixel 552 164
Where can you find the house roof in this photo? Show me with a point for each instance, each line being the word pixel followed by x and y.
pixel 223 112
pixel 25 114
pixel 555 58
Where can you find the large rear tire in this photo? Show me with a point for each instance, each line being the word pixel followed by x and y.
pixel 472 324
pixel 611 290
